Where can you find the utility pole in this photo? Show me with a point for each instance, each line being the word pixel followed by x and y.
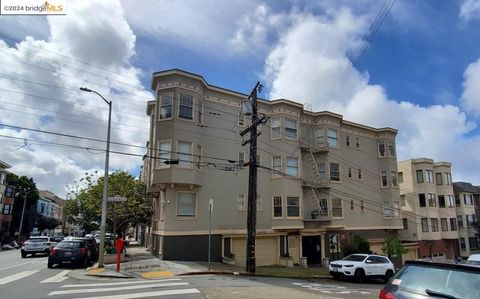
pixel 252 179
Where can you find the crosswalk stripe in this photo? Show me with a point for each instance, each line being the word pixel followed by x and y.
pixel 149 294
pixel 14 266
pixel 155 285
pixel 17 276
pixel 116 283
pixel 58 277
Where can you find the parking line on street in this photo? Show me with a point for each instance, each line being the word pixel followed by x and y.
pixel 115 283
pixel 145 286
pixel 58 277
pixel 17 276
pixel 149 294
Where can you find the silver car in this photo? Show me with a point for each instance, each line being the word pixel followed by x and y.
pixel 36 245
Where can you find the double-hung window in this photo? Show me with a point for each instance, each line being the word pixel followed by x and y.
pixel 453 224
pixel 419 176
pixel 467 199
pixel 434 222
pixel 7 209
pixel 470 220
pixel 322 169
pixel 424 224
pixel 431 200
pixel 387 209
pixel 337 210
pixel 276 128
pixel 451 201
pixel 381 149
pixel 164 153
pixel 185 109
pixel 334 172
pixel 241 202
pixel 320 137
pixel 460 221
pixel 277 207
pixel 391 149
pixel 444 224
pixel 186 204
pixel 384 178
pixel 184 154
pixel 166 104
pixel 441 201
pixel 293 206
pixel 439 178
pixel 290 128
pixel 292 166
pixel 393 177
pixel 332 138
pixel 448 178
pixel 429 176
pixel 276 165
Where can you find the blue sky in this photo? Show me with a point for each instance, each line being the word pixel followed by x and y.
pixel 420 73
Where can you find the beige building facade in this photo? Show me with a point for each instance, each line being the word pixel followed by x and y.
pixel 322 179
pixel 467 200
pixel 428 205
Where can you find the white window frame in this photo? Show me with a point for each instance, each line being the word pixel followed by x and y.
pixel 299 207
pixel 393 179
pixel 391 148
pixel 321 137
pixel 382 176
pixel 183 164
pixel 396 209
pixel 429 176
pixel 448 178
pixel 161 159
pixel 241 206
pixel 274 128
pixel 193 107
pixel 186 217
pixel 277 167
pixel 274 206
pixel 287 166
pixel 285 120
pixel 330 172
pixel 336 208
pixel 336 138
pixel 380 155
pixel 160 104
pixel 387 209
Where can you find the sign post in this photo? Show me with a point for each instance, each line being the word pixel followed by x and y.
pixel 210 214
pixel 116 198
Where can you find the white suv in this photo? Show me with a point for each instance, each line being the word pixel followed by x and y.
pixel 36 245
pixel 361 266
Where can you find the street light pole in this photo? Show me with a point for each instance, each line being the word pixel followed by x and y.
pixel 23 212
pixel 103 221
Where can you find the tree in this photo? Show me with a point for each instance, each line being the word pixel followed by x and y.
pixel 84 208
pixel 44 222
pixel 357 244
pixel 393 247
pixel 23 184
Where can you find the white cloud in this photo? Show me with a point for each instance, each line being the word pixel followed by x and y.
pixel 470 10
pixel 79 51
pixel 470 99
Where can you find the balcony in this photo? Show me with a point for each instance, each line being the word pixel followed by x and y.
pixel 317 215
pixel 175 175
pixel 322 184
pixel 314 149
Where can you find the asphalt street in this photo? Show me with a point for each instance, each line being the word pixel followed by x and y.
pixel 30 278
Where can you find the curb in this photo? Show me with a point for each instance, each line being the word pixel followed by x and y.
pixel 249 274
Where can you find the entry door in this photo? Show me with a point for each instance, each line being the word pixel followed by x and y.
pixel 311 249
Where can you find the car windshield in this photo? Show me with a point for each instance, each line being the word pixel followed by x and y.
pixel 354 258
pixel 70 245
pixel 38 240
pixel 456 282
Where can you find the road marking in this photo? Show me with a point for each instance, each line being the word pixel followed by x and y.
pixel 18 265
pixel 149 294
pixel 116 283
pixel 17 276
pixel 156 285
pixel 330 289
pixel 155 274
pixel 58 277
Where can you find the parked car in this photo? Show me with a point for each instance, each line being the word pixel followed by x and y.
pixel 474 258
pixel 69 251
pixel 361 266
pixel 36 245
pixel 92 248
pixel 434 279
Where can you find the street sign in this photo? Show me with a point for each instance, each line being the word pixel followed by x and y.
pixel 116 198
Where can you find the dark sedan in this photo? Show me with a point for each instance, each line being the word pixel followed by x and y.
pixel 69 251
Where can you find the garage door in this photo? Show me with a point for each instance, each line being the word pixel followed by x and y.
pixel 239 250
pixel 266 253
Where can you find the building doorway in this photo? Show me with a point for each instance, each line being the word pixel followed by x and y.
pixel 311 249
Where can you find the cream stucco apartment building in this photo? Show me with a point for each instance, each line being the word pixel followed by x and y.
pixel 467 200
pixel 326 178
pixel 428 206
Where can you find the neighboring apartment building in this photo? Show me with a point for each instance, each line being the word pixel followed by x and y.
pixel 466 201
pixel 428 206
pixel 6 201
pixel 51 206
pixel 342 177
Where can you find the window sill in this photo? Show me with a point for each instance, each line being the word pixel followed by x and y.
pixel 163 119
pixel 187 218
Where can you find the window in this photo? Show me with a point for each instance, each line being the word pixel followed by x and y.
pixel 292 166
pixel 241 119
pixel 405 223
pixel 290 128
pixel 259 203
pixel 393 176
pixel 359 174
pixel 470 220
pixel 441 201
pixel 460 221
pixel 9 192
pixel 387 209
pixel 396 209
pixel 332 138
pixel 199 157
pixel 352 206
pixel 323 203
pixel 7 209
pixel 185 107
pixel 424 224
pixel 439 178
pixel 419 176
pixel 241 159
pixel 277 207
pixel 337 207
pixel 391 149
pixel 259 159
pixel 350 172
pixel 431 200
pixel 293 206
pixel 429 176
pixel 467 199
pixel 186 204
pixel 347 140
pixel 444 223
pixel 201 109
pixel 322 169
pixel 473 241
pixel 462 244
pixel 276 127
pixel 166 106
pixel 277 165
pixel 448 178
pixel 402 200
pixel 383 175
pixel 451 201
pixel 358 142
pixel 453 224
pixel 335 172
pixel 3 178
pixel 421 200
pixel 320 137
pixel 164 153
pixel 184 153
pixel 457 200
pixel 381 149
pixel 362 207
pixel 400 177
pixel 241 202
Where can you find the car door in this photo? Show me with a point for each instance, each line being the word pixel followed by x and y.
pixel 383 265
pixel 370 266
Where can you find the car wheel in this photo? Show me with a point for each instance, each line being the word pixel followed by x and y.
pixel 24 255
pixel 359 275
pixel 50 265
pixel 387 276
pixel 33 254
